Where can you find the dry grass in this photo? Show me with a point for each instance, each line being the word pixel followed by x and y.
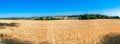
pixel 59 31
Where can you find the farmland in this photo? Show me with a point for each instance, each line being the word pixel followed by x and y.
pixel 99 31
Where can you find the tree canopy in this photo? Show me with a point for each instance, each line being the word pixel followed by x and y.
pixel 97 16
pixel 78 17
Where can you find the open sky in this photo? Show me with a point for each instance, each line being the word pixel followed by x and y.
pixel 26 8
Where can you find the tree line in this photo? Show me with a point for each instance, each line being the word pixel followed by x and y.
pixel 79 17
pixel 97 16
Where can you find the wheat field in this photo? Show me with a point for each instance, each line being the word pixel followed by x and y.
pixel 59 31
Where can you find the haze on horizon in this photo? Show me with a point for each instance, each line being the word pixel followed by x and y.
pixel 28 8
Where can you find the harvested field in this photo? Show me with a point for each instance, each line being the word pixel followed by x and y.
pixel 99 31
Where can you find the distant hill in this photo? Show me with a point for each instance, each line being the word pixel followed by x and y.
pixel 70 17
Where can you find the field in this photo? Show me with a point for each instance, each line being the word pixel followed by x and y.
pixel 99 31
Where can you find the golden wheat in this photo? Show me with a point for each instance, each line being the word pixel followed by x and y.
pixel 60 31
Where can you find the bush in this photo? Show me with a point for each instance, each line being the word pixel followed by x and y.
pixel 97 16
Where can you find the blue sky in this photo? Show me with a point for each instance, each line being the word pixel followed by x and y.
pixel 26 8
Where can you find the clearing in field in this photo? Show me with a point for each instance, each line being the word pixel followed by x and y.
pixel 100 31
